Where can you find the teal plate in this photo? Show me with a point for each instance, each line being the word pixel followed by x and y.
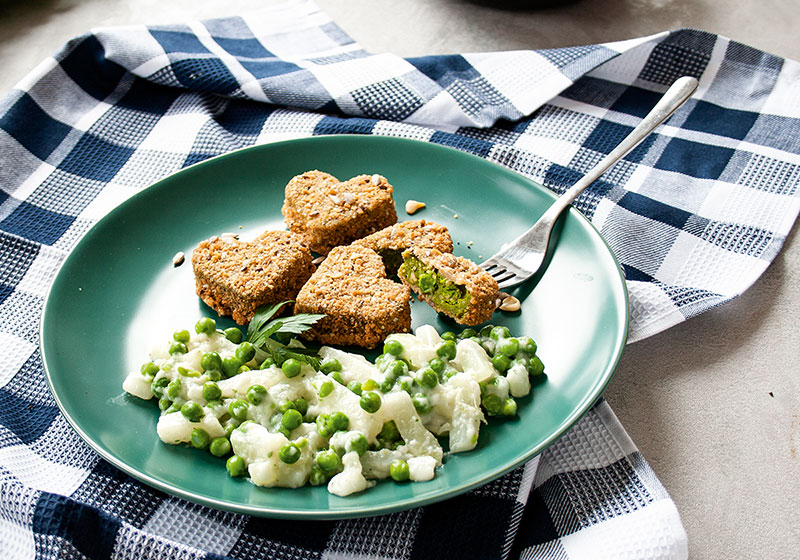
pixel 118 294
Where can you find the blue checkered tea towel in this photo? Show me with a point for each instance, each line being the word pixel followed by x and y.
pixel 694 214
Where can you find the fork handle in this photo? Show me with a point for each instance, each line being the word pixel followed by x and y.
pixel 678 93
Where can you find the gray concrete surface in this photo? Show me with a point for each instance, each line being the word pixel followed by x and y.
pixel 712 403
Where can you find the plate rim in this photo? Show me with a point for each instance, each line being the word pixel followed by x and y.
pixel 585 405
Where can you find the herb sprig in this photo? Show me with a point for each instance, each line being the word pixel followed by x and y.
pixel 263 327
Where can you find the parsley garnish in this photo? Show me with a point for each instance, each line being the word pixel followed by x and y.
pixel 262 327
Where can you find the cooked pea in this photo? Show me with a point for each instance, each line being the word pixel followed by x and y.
pixel 492 403
pixel 206 325
pixel 324 426
pixel 371 402
pixel 200 438
pixel 328 460
pixel 468 333
pixel 337 376
pixel 535 366
pixel 211 360
pixel 422 403
pixel 174 407
pixel 149 369
pixel 164 403
pixel 508 346
pixel 436 365
pixel 192 411
pixel 267 363
pixel 231 365
pixel 486 331
pixel 339 421
pixel 214 374
pixel 501 362
pixel 406 383
pixel 291 367
pixel 301 405
pixel 233 334
pixel 387 384
pixel 358 444
pixel 389 432
pixel 291 419
pixel 449 335
pixel 355 387
pixel 527 345
pixel 177 348
pixel 211 391
pixel 220 446
pixel 236 466
pixel 369 385
pixel 238 409
pixel 499 332
pixel 426 283
pixel 181 336
pixel 316 477
pixel 399 470
pixel 158 385
pixel 289 453
pixel 245 352
pixel 509 407
pixel 188 372
pixel 446 350
pixel 398 368
pixel 393 347
pixel 427 378
pixel 286 405
pixel 330 365
pixel 174 389
pixel 256 394
pixel 325 389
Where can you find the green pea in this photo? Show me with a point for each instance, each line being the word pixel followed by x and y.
pixel 393 347
pixel 206 325
pixel 233 334
pixel 358 444
pixel 158 385
pixel 328 461
pixel 289 453
pixel 324 426
pixel 499 332
pixel 398 368
pixel 200 438
pixel 387 384
pixel 527 345
pixel 211 391
pixel 316 477
pixel 501 362
pixel 214 403
pixel 449 335
pixel 369 385
pixel 468 333
pixel 406 384
pixel 231 365
pixel 267 363
pixel 370 402
pixel 337 376
pixel 301 405
pixel 192 411
pixel 326 389
pixel 355 387
pixel 211 360
pixel 339 421
pixel 238 409
pixel 508 346
pixel 509 407
pixel 389 432
pixel 177 348
pixel 256 394
pixel 427 378
pixel 422 403
pixel 446 350
pixel 291 419
pixel 236 466
pixel 188 372
pixel 174 388
pixel 164 403
pixel 399 470
pixel 436 365
pixel 330 365
pixel 291 367
pixel 245 352
pixel 214 374
pixel 149 369
pixel 174 407
pixel 220 446
pixel 535 366
pixel 181 336
pixel 426 283
pixel 492 403
pixel 486 331
pixel 286 405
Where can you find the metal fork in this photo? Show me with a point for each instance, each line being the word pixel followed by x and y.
pixel 521 258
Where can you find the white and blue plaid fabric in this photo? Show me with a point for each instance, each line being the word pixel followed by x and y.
pixel 694 214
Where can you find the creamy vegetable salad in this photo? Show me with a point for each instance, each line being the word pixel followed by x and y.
pixel 336 419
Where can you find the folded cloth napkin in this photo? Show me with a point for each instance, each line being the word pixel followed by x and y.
pixel 694 214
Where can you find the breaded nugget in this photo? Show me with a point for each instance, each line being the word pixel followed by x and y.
pixel 325 212
pixel 360 304
pixel 236 278
pixel 390 242
pixel 452 285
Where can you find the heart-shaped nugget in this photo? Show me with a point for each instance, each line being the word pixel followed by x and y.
pixel 360 304
pixel 326 213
